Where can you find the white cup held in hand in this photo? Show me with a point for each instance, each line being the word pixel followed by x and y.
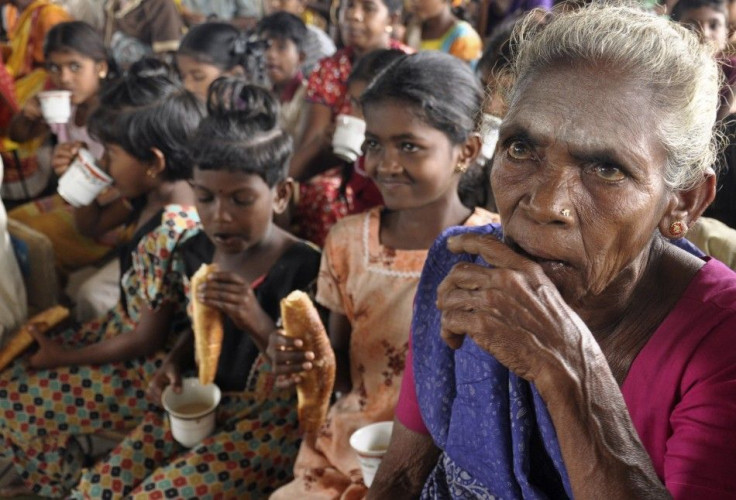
pixel 192 411
pixel 348 138
pixel 56 105
pixel 83 180
pixel 370 444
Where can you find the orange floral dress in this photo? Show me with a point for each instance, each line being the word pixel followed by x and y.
pixel 373 286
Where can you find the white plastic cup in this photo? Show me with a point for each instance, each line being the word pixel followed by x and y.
pixel 370 444
pixel 192 411
pixel 56 105
pixel 347 141
pixel 83 181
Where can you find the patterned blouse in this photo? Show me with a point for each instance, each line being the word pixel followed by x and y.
pixel 328 82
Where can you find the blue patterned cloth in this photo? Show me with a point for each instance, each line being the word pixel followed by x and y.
pixel 497 437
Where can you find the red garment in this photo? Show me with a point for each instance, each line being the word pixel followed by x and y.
pixel 328 82
pixel 680 390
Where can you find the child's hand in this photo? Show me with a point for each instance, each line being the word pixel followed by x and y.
pixel 168 374
pixel 64 155
pixel 231 294
pixel 288 360
pixel 49 354
pixel 32 109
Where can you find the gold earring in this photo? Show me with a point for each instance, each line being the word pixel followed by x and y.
pixel 461 168
pixel 677 229
pixel 102 74
pixel 151 173
pixel 389 29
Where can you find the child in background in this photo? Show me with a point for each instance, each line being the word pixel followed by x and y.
pixel 317 44
pixel 240 156
pixel 285 34
pixel 441 30
pixel 76 60
pixel 365 25
pixel 420 156
pixel 94 377
pixel 207 52
pixel 344 190
pixel 710 19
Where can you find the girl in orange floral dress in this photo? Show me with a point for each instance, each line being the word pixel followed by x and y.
pixel 422 118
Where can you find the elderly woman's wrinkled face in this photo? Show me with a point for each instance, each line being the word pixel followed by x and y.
pixel 578 177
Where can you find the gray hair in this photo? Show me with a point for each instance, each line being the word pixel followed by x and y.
pixel 661 56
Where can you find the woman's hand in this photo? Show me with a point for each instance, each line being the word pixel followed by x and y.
pixel 49 353
pixel 287 358
pixel 168 374
pixel 511 310
pixel 63 156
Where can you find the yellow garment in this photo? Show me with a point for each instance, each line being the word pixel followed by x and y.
pixel 715 239
pixel 29 33
pixel 461 41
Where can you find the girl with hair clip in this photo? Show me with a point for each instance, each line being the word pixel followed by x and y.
pixel 422 115
pixel 240 182
pixel 207 52
pixel 365 25
pixel 94 377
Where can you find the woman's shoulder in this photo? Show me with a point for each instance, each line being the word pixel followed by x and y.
pixel 353 226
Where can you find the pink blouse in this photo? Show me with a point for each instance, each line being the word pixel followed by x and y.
pixel 680 390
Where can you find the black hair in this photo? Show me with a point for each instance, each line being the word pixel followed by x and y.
pixel 497 55
pixel 444 93
pixel 79 37
pixel 682 6
pixel 220 44
pixel 283 25
pixel 146 109
pixel 241 132
pixel 371 64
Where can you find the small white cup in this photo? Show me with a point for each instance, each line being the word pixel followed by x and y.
pixel 348 138
pixel 56 105
pixel 192 411
pixel 370 444
pixel 83 180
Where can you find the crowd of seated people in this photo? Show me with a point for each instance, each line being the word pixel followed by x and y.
pixel 530 241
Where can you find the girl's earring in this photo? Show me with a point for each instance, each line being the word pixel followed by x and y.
pixel 151 173
pixel 389 29
pixel 102 74
pixel 461 168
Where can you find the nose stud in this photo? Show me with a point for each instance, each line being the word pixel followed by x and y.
pixel 565 212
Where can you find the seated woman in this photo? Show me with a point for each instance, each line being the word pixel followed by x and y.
pixel 599 357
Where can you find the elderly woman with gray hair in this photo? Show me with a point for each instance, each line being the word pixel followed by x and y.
pixel 575 351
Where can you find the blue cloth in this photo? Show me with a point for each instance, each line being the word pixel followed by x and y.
pixel 497 437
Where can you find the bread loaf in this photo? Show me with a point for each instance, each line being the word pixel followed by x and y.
pixel 22 339
pixel 207 326
pixel 301 321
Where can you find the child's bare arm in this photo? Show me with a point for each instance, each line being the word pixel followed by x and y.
pixel 147 337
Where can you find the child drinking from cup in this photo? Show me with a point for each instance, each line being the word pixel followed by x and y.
pixel 422 115
pixel 77 62
pixel 365 25
pixel 346 189
pixel 240 181
pixel 94 377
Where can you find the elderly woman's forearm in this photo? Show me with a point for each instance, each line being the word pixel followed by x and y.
pixel 600 446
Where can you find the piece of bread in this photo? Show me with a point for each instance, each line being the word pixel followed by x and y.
pixel 207 326
pixel 22 340
pixel 301 321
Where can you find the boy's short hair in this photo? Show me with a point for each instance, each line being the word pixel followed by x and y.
pixel 678 11
pixel 285 26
